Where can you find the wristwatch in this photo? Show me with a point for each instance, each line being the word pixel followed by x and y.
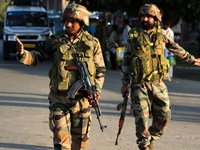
pixel 194 61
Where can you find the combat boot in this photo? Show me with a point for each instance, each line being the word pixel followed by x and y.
pixel 151 144
pixel 143 147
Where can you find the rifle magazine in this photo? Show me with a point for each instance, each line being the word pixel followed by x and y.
pixel 75 88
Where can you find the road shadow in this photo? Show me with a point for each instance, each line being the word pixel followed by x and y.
pixel 187 73
pixel 179 113
pixel 24 146
pixel 39 70
pixel 23 100
pixel 21 93
pixel 23 105
pixel 185 113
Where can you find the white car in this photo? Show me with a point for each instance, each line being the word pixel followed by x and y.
pixel 28 23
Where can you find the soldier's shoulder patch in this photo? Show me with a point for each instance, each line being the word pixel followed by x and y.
pixel 95 40
pixel 88 35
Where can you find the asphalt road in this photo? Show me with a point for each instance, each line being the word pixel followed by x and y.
pixel 24 111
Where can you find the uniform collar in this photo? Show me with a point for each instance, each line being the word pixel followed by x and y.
pixel 149 34
pixel 74 41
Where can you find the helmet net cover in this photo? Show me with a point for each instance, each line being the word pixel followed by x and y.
pixel 76 11
pixel 150 9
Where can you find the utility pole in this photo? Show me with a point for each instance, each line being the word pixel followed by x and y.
pixel 47 5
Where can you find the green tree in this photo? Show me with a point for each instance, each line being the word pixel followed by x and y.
pixel 188 9
pixel 3 6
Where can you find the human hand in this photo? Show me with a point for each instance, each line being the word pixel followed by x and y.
pixel 123 90
pixel 120 106
pixel 19 47
pixel 169 53
pixel 121 45
pixel 93 101
pixel 197 63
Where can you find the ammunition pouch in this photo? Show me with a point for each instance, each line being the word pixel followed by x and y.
pixel 148 60
pixel 63 73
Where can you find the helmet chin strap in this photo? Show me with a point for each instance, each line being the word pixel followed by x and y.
pixel 81 27
pixel 79 30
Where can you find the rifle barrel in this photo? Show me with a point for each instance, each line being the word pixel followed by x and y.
pixel 97 113
pixel 119 132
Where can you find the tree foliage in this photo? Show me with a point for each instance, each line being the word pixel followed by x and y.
pixel 3 6
pixel 188 9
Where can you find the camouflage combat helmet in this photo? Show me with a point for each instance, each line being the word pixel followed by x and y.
pixel 76 11
pixel 150 9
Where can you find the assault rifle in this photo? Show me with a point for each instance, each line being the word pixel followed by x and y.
pixel 124 107
pixel 86 82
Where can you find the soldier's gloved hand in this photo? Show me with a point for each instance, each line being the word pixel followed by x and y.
pixel 19 47
pixel 120 106
pixel 123 90
pixel 94 101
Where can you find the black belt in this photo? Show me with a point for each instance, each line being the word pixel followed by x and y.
pixel 65 93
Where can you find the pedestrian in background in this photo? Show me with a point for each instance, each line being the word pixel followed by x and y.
pixel 113 44
pixel 126 29
pixel 69 119
pixel 169 55
pixel 101 33
pixel 144 56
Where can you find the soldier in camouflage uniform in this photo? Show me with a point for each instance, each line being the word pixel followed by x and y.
pixel 69 116
pixel 144 56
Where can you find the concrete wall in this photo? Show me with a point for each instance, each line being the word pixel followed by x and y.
pixel 58 5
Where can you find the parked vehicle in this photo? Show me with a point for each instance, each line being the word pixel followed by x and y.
pixel 28 23
pixel 1 30
pixel 55 22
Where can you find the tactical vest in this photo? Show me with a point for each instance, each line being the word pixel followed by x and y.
pixel 62 79
pixel 148 60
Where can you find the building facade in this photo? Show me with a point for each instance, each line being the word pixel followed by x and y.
pixel 56 5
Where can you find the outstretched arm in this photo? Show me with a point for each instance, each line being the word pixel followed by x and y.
pixel 177 50
pixel 36 56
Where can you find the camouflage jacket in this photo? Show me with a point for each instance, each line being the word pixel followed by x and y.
pixel 47 51
pixel 168 43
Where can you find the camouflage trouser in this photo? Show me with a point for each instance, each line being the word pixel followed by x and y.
pixel 150 97
pixel 69 116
